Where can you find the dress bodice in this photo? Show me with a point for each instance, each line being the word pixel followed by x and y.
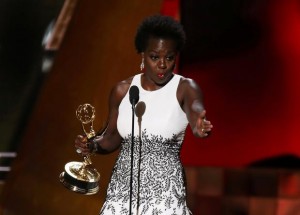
pixel 157 112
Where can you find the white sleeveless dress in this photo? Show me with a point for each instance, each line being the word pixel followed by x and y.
pixel 158 178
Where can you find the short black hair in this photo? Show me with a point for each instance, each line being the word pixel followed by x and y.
pixel 159 26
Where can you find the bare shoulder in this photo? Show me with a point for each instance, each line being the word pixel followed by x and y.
pixel 187 83
pixel 120 89
pixel 188 89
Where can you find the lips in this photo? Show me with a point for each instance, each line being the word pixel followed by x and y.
pixel 160 75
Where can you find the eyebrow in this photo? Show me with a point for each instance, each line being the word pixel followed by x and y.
pixel 171 52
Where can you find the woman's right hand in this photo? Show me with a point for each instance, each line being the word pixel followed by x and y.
pixel 82 145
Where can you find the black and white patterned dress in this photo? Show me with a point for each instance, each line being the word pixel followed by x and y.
pixel 158 178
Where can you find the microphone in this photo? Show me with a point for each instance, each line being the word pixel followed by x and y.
pixel 133 98
pixel 134 95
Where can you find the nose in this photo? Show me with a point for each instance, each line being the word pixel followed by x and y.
pixel 162 64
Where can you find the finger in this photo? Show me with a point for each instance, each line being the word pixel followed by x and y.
pixel 205 129
pixel 77 140
pixel 201 130
pixel 82 138
pixel 207 123
pixel 79 144
pixel 199 123
pixel 82 150
pixel 203 133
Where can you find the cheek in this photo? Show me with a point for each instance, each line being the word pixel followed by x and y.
pixel 171 65
pixel 150 65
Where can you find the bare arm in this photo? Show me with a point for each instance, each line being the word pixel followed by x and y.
pixel 191 99
pixel 109 140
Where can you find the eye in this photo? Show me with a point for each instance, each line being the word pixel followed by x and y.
pixel 153 57
pixel 170 58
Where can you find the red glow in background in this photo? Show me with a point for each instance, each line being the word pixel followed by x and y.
pixel 250 83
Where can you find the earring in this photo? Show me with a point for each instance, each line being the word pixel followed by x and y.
pixel 142 65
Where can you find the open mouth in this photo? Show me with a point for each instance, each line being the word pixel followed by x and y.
pixel 160 75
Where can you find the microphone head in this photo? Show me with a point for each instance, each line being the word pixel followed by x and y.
pixel 134 94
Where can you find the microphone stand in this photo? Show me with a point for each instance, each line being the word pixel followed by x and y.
pixel 131 166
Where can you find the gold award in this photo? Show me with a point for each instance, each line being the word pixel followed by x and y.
pixel 82 177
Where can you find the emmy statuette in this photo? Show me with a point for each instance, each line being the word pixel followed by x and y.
pixel 82 177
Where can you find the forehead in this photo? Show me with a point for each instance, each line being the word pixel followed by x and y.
pixel 161 44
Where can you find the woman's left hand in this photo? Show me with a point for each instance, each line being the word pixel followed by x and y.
pixel 203 126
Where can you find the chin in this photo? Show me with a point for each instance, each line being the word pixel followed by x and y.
pixel 162 82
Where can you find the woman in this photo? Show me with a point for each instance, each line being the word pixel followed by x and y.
pixel 167 103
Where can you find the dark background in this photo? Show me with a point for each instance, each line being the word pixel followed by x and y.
pixel 23 25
